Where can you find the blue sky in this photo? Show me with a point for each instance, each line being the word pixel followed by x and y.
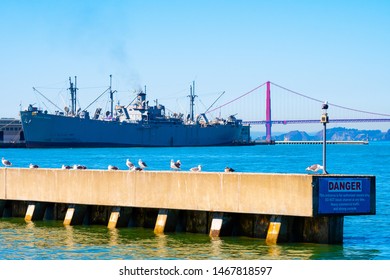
pixel 330 50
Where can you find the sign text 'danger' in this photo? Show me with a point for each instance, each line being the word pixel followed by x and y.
pixel 345 185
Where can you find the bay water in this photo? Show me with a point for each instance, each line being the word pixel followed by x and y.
pixel 366 237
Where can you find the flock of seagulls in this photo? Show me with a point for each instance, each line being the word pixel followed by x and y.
pixel 174 165
pixel 141 165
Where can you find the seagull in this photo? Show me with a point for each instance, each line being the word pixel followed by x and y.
pixel 129 164
pixel 196 169
pixel 112 167
pixel 77 166
pixel 175 165
pixel 66 167
pixel 33 166
pixel 229 169
pixel 315 168
pixel 136 168
pixel 142 164
pixel 6 162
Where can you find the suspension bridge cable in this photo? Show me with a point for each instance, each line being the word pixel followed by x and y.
pixel 236 98
pixel 335 105
pixel 215 101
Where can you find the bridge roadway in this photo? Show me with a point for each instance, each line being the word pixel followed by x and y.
pixel 284 206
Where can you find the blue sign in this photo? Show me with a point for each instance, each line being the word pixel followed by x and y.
pixel 344 196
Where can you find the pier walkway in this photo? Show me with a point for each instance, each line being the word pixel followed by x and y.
pixel 277 207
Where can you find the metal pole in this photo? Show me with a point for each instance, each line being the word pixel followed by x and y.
pixel 324 149
pixel 324 120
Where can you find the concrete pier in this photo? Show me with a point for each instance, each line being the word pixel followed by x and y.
pixel 276 207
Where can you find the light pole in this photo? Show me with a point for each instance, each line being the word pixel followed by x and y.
pixel 324 120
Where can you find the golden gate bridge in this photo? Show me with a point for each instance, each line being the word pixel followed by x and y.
pixel 285 115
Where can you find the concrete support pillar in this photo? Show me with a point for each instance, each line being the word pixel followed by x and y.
pixel 216 224
pixel 166 221
pixel 273 230
pixel 75 214
pixel 29 212
pixel 35 211
pixel 161 221
pixel 114 217
pixel 69 215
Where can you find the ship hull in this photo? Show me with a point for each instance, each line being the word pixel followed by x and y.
pixel 46 130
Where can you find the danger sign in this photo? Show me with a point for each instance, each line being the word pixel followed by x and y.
pixel 344 196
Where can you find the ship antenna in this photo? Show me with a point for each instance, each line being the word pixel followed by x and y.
pixel 112 97
pixel 192 99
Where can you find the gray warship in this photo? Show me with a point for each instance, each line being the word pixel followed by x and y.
pixel 134 125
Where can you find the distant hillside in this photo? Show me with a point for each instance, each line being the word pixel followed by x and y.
pixel 335 134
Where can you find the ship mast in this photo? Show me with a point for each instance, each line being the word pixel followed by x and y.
pixel 112 97
pixel 73 94
pixel 192 99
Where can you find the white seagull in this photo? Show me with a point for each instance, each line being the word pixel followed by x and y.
pixel 66 167
pixel 80 167
pixel 142 164
pixel 6 162
pixel 136 168
pixel 196 169
pixel 129 164
pixel 33 165
pixel 175 165
pixel 315 168
pixel 112 167
pixel 229 169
